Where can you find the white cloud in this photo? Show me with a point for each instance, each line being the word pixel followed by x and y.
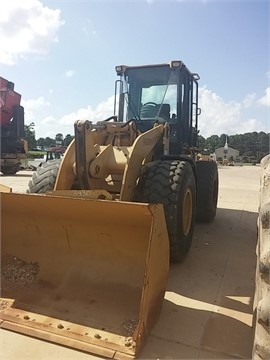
pixel 32 107
pixel 101 112
pixel 220 117
pixel 265 100
pixel 49 120
pixel 27 27
pixel 69 73
pixel 50 125
pixel 249 100
pixel 217 117
pixel 89 28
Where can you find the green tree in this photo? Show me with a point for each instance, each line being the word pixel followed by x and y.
pixel 67 140
pixel 264 141
pixel 41 142
pixel 212 143
pixel 201 142
pixel 59 138
pixel 49 142
pixel 30 135
pixel 222 140
pixel 248 144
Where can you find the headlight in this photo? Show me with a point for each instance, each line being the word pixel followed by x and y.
pixel 196 76
pixel 176 64
pixel 120 69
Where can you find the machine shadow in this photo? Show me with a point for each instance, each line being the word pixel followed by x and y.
pixel 18 175
pixel 209 301
pixel 184 333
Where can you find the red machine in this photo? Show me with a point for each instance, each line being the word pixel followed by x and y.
pixel 13 146
pixel 55 152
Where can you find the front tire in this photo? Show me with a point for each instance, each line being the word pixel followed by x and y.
pixel 171 183
pixel 43 180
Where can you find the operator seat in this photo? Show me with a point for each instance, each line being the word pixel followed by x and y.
pixel 149 114
pixel 165 111
pixel 152 110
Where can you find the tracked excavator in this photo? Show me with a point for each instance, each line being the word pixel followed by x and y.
pixel 97 229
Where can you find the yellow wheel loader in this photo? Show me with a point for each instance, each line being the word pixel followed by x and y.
pixel 86 265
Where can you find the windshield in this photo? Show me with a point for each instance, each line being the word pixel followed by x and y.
pixel 161 94
pixel 151 92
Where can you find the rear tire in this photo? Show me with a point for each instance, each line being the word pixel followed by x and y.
pixel 171 183
pixel 43 180
pixel 207 190
pixel 10 169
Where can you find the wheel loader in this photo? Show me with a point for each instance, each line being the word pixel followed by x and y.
pixel 97 229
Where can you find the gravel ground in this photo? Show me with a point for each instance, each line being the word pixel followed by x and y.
pixel 129 326
pixel 17 273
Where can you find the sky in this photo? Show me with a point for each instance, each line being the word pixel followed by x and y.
pixel 62 54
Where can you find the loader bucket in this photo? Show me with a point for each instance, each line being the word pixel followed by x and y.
pixel 4 188
pixel 87 274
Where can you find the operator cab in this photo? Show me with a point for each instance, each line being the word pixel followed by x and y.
pixel 158 94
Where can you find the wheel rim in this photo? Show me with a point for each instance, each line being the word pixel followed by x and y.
pixel 187 211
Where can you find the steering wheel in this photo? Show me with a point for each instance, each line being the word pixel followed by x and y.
pixel 149 110
pixel 150 103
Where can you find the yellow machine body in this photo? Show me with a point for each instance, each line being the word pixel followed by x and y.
pixel 89 274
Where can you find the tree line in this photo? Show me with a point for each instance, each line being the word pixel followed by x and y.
pixel 251 144
pixel 46 142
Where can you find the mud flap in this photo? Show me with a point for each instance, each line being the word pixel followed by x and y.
pixel 88 274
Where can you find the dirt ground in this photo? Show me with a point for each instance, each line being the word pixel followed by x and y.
pixel 207 312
